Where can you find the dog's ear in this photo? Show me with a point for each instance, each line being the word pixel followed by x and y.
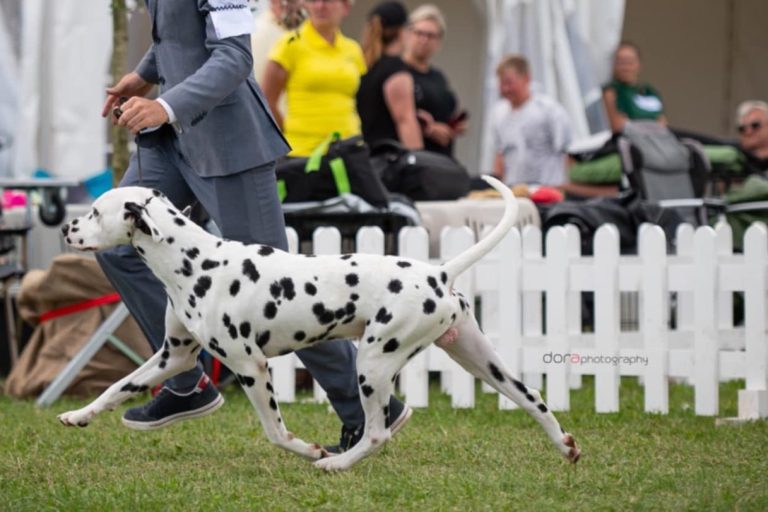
pixel 187 211
pixel 142 221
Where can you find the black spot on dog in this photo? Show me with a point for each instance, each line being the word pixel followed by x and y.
pixel 543 408
pixel 134 388
pixel 265 250
pixel 202 286
pixel 270 310
pixel 391 345
pixel 367 390
pixel 383 316
pixel 170 240
pixel 186 268
pixel 246 381
pixel 299 336
pixel 226 320
pixel 370 339
pixel 245 329
pixel 310 289
pixel 444 277
pixel 209 264
pixel 192 253
pixel 530 397
pixel 262 339
pixel 352 279
pixel 395 286
pixel 174 341
pixel 416 351
pixel 361 379
pixel 179 221
pixel 289 290
pixel 218 244
pixel 232 332
pixel 249 270
pixel 192 301
pixel 354 296
pixel 234 288
pixel 403 264
pixel 520 386
pixel 429 306
pixel 432 282
pixel 270 388
pixel 275 289
pixel 346 256
pixel 496 372
pixel 247 349
pixel 139 249
pixel 324 316
pixel 272 404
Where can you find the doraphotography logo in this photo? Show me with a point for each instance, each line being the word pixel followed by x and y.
pixel 576 358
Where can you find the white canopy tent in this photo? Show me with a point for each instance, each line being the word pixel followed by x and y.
pixel 50 116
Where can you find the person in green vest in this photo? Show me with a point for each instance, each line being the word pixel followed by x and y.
pixel 626 98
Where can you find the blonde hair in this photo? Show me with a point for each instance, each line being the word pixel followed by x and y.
pixel 745 107
pixel 428 12
pixel 514 61
pixel 375 38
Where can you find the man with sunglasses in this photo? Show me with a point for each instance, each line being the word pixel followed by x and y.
pixel 752 125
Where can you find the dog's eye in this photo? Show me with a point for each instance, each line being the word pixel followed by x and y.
pixel 95 212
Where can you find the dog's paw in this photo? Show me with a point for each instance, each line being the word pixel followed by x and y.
pixel 573 454
pixel 331 464
pixel 78 418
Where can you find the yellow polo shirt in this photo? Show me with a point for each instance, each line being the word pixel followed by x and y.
pixel 321 87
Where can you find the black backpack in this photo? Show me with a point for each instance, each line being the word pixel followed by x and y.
pixel 419 174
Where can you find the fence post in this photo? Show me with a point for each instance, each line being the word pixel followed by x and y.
pixel 454 241
pixel 685 249
pixel 574 297
pixel 606 273
pixel 413 242
pixel 510 307
pixel 532 300
pixel 705 345
pixel 369 240
pixel 753 401
pixel 724 242
pixel 556 261
pixel 654 307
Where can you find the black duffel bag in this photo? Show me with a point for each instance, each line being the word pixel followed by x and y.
pixel 419 174
pixel 337 166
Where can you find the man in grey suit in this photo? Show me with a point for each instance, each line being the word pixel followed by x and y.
pixel 209 137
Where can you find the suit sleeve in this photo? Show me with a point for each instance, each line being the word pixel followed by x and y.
pixel 228 66
pixel 147 68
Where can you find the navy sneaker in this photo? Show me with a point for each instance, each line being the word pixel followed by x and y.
pixel 170 407
pixel 351 436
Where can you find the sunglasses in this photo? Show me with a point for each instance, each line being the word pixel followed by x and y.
pixel 754 125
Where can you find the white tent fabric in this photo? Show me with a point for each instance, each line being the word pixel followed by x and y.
pixel 66 50
pixel 9 107
pixel 569 44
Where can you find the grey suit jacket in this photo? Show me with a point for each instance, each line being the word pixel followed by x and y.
pixel 224 123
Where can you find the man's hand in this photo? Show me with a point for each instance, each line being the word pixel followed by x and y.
pixel 139 113
pixel 130 85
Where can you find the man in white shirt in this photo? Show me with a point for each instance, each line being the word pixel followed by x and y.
pixel 530 132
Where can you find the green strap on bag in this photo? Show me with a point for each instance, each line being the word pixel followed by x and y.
pixel 338 169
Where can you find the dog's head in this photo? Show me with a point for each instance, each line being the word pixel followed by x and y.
pixel 114 218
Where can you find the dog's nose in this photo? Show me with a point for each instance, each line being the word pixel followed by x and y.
pixel 65 229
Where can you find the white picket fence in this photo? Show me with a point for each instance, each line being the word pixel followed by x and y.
pixel 530 307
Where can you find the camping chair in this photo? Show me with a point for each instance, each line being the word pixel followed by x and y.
pixel 672 172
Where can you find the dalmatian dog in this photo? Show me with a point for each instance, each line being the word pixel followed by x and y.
pixel 247 303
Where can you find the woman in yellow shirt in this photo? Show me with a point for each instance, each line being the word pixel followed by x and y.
pixel 319 69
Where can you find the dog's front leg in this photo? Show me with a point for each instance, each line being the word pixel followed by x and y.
pixel 179 353
pixel 256 381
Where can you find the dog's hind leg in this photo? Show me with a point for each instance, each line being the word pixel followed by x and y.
pixel 178 354
pixel 254 377
pixel 472 350
pixel 378 364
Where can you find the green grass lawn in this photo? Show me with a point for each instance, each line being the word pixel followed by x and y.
pixel 445 459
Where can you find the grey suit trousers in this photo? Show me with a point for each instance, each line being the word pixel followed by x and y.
pixel 245 207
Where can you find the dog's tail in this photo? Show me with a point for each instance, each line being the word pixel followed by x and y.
pixel 464 260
